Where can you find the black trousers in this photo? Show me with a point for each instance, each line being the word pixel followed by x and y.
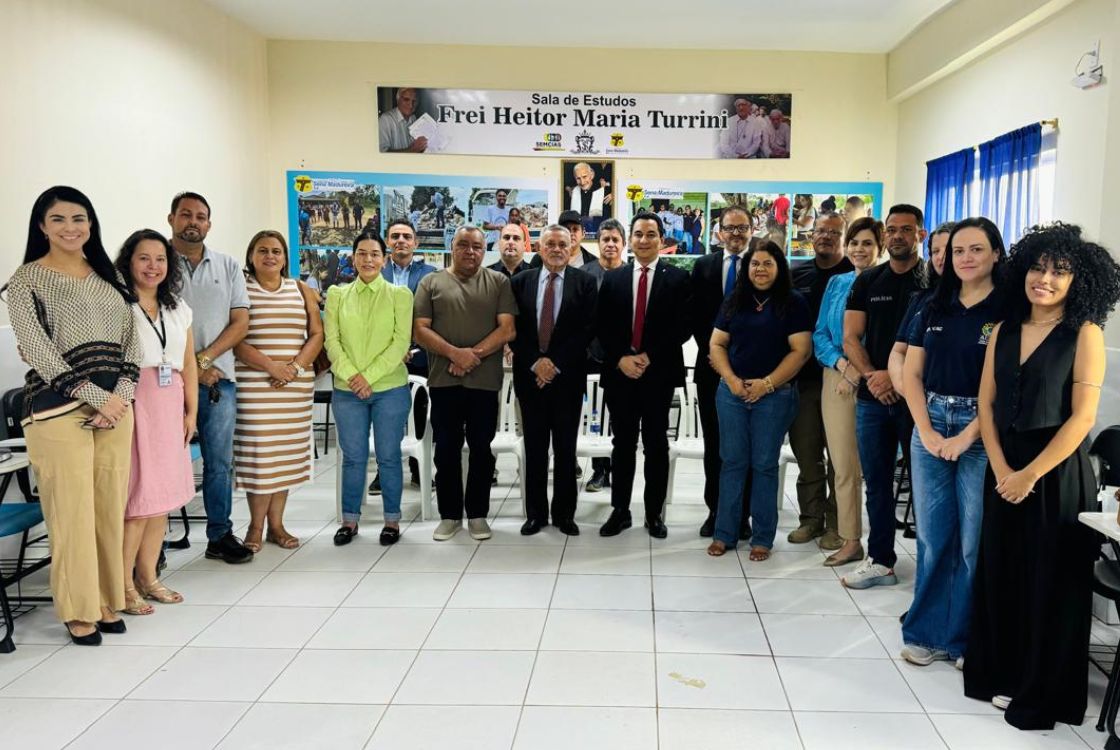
pixel 640 407
pixel 550 414
pixel 460 413
pixel 709 422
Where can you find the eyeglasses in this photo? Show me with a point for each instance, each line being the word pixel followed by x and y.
pixel 735 228
pixel 215 394
pixel 828 232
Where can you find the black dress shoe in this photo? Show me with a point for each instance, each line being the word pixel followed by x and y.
pixel 619 520
pixel 91 639
pixel 745 531
pixel 656 528
pixel 345 535
pixel 116 627
pixel 532 526
pixel 708 528
pixel 389 535
pixel 567 527
pixel 375 485
pixel 229 549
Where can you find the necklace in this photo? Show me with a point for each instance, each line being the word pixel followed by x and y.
pixel 759 305
pixel 1041 323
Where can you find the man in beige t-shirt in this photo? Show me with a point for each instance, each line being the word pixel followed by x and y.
pixel 463 317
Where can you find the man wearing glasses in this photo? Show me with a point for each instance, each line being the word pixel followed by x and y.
pixel 713 277
pixel 816 492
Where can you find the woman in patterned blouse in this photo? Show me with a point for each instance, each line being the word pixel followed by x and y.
pixel 70 312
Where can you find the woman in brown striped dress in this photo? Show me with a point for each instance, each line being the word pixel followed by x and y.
pixel 275 386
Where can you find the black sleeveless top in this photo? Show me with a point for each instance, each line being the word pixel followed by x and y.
pixel 1038 393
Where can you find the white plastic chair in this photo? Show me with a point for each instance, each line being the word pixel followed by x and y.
pixel 689 442
pixel 507 438
pixel 411 447
pixel 594 439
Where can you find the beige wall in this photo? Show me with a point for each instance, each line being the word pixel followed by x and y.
pixel 323 109
pixel 1027 80
pixel 131 102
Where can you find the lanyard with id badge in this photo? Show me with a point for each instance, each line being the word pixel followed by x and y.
pixel 164 369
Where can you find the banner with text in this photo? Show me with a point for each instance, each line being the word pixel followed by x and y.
pixel 562 123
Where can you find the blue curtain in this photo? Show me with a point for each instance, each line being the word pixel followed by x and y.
pixel 948 182
pixel 1009 180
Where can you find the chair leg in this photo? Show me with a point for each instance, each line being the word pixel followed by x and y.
pixel 672 477
pixel 782 465
pixel 7 645
pixel 184 542
pixel 327 432
pixel 425 461
pixel 337 485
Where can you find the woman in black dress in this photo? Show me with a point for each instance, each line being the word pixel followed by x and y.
pixel 1043 371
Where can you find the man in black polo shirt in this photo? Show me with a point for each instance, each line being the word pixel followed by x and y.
pixel 806 435
pixel 876 306
pixel 511 245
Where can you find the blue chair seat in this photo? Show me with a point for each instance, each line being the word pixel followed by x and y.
pixel 16 518
pixel 196 452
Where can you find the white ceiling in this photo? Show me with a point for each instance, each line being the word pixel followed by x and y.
pixel 816 25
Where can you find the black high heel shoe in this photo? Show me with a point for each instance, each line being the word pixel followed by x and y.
pixel 115 627
pixel 90 639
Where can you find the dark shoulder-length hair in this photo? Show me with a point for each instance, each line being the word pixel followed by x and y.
pixel 369 234
pixel 1095 288
pixel 945 227
pixel 780 292
pixel 949 285
pixel 272 234
pixel 172 284
pixel 38 245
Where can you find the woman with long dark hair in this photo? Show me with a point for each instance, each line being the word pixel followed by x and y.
pixel 941 377
pixel 760 341
pixel 1039 392
pixel 161 479
pixel 70 312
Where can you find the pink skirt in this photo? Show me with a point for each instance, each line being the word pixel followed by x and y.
pixel 161 479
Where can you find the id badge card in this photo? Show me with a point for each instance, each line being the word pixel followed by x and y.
pixel 164 374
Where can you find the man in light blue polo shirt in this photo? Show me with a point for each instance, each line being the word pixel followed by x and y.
pixel 495 217
pixel 214 287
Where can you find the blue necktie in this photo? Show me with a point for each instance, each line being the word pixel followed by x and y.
pixel 730 283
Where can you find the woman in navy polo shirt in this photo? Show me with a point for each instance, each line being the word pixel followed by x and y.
pixel 942 379
pixel 760 341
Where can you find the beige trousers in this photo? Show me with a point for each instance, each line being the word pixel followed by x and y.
pixel 839 414
pixel 83 485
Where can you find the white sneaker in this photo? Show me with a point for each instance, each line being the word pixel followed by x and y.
pixel 868 574
pixel 960 663
pixel 922 656
pixel 1001 702
pixel 478 528
pixel 447 528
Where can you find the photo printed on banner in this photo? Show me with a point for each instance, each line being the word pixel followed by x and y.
pixel 330 214
pixel 769 214
pixel 587 187
pixel 434 211
pixel 491 208
pixel 808 206
pixel 682 215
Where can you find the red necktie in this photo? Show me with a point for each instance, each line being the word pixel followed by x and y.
pixel 547 323
pixel 640 311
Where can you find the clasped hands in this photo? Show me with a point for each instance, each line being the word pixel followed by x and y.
pixel 939 446
pixel 463 360
pixel 110 413
pixel 1014 486
pixel 634 366
pixel 281 374
pixel 545 370
pixel 881 387
pixel 748 389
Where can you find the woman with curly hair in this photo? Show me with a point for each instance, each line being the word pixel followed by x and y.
pixel 1041 383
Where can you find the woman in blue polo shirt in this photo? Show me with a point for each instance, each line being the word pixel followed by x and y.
pixel 942 380
pixel 760 341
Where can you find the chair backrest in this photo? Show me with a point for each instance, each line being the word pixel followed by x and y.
pixel 688 425
pixel 507 405
pixel 594 417
pixel 11 406
pixel 1106 447
pixel 416 386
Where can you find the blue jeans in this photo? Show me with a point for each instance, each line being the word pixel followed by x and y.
pixel 387 413
pixel 215 440
pixel 948 510
pixel 880 430
pixel 750 437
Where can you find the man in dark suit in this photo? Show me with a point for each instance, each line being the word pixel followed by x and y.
pixel 713 277
pixel 555 322
pixel 642 321
pixel 580 256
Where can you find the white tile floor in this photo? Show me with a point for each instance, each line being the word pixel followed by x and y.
pixel 524 643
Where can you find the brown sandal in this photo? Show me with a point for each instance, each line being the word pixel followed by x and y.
pixel 759 554
pixel 281 539
pixel 157 592
pixel 253 545
pixel 134 604
pixel 717 549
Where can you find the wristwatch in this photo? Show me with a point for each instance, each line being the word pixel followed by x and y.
pixel 204 362
pixel 300 369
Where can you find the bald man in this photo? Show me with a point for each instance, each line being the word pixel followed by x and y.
pixel 592 202
pixel 776 143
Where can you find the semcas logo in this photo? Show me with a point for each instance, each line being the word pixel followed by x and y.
pixel 549 142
